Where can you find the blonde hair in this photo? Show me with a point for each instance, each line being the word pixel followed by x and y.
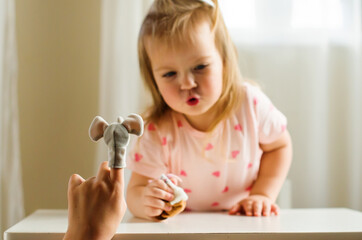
pixel 172 21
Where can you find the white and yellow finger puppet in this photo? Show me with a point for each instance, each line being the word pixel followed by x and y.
pixel 116 135
pixel 179 201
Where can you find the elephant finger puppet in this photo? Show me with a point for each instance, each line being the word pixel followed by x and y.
pixel 178 203
pixel 116 135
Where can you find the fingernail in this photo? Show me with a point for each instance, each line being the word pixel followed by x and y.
pixel 170 197
pixel 170 175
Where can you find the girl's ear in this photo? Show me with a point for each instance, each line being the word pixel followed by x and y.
pixel 134 124
pixel 97 128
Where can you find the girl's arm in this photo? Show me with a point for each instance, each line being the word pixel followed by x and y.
pixel 147 198
pixel 274 167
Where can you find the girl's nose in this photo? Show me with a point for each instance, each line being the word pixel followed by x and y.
pixel 188 82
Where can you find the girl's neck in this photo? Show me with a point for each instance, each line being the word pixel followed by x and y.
pixel 202 122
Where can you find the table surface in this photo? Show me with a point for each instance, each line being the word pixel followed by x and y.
pixel 325 223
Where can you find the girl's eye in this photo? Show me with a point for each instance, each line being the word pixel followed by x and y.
pixel 169 74
pixel 200 67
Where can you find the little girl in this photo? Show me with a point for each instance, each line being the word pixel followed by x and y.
pixel 219 134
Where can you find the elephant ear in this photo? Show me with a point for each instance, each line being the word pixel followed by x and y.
pixel 134 124
pixel 97 128
pixel 120 120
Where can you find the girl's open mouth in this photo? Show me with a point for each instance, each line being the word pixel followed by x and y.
pixel 192 101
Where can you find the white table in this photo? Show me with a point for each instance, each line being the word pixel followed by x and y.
pixel 329 223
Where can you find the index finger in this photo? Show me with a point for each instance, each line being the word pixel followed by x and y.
pixel 117 174
pixel 161 184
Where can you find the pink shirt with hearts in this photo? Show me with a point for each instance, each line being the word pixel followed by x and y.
pixel 218 168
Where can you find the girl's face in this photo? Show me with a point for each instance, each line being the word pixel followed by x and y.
pixel 188 76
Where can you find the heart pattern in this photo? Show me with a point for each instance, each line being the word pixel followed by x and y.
pixel 151 127
pixel 164 141
pixel 183 173
pixel 138 157
pixel 179 123
pixel 235 153
pixel 216 174
pixel 238 127
pixel 226 189
pixel 249 188
pixel 215 204
pixel 209 146
pixel 256 101
pixel 187 190
pixel 250 165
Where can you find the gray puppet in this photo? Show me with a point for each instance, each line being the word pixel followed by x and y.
pixel 116 135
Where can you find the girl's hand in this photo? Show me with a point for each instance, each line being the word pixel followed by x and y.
pixel 156 197
pixel 95 206
pixel 255 205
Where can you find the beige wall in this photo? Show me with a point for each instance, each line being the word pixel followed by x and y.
pixel 58 49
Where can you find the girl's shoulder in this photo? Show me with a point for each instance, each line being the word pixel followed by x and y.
pixel 253 96
pixel 164 124
pixel 253 93
pixel 250 87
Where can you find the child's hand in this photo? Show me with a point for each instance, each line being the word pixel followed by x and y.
pixel 156 197
pixel 96 206
pixel 255 205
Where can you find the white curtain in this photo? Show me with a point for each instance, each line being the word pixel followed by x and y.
pixel 121 90
pixel 11 191
pixel 306 55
